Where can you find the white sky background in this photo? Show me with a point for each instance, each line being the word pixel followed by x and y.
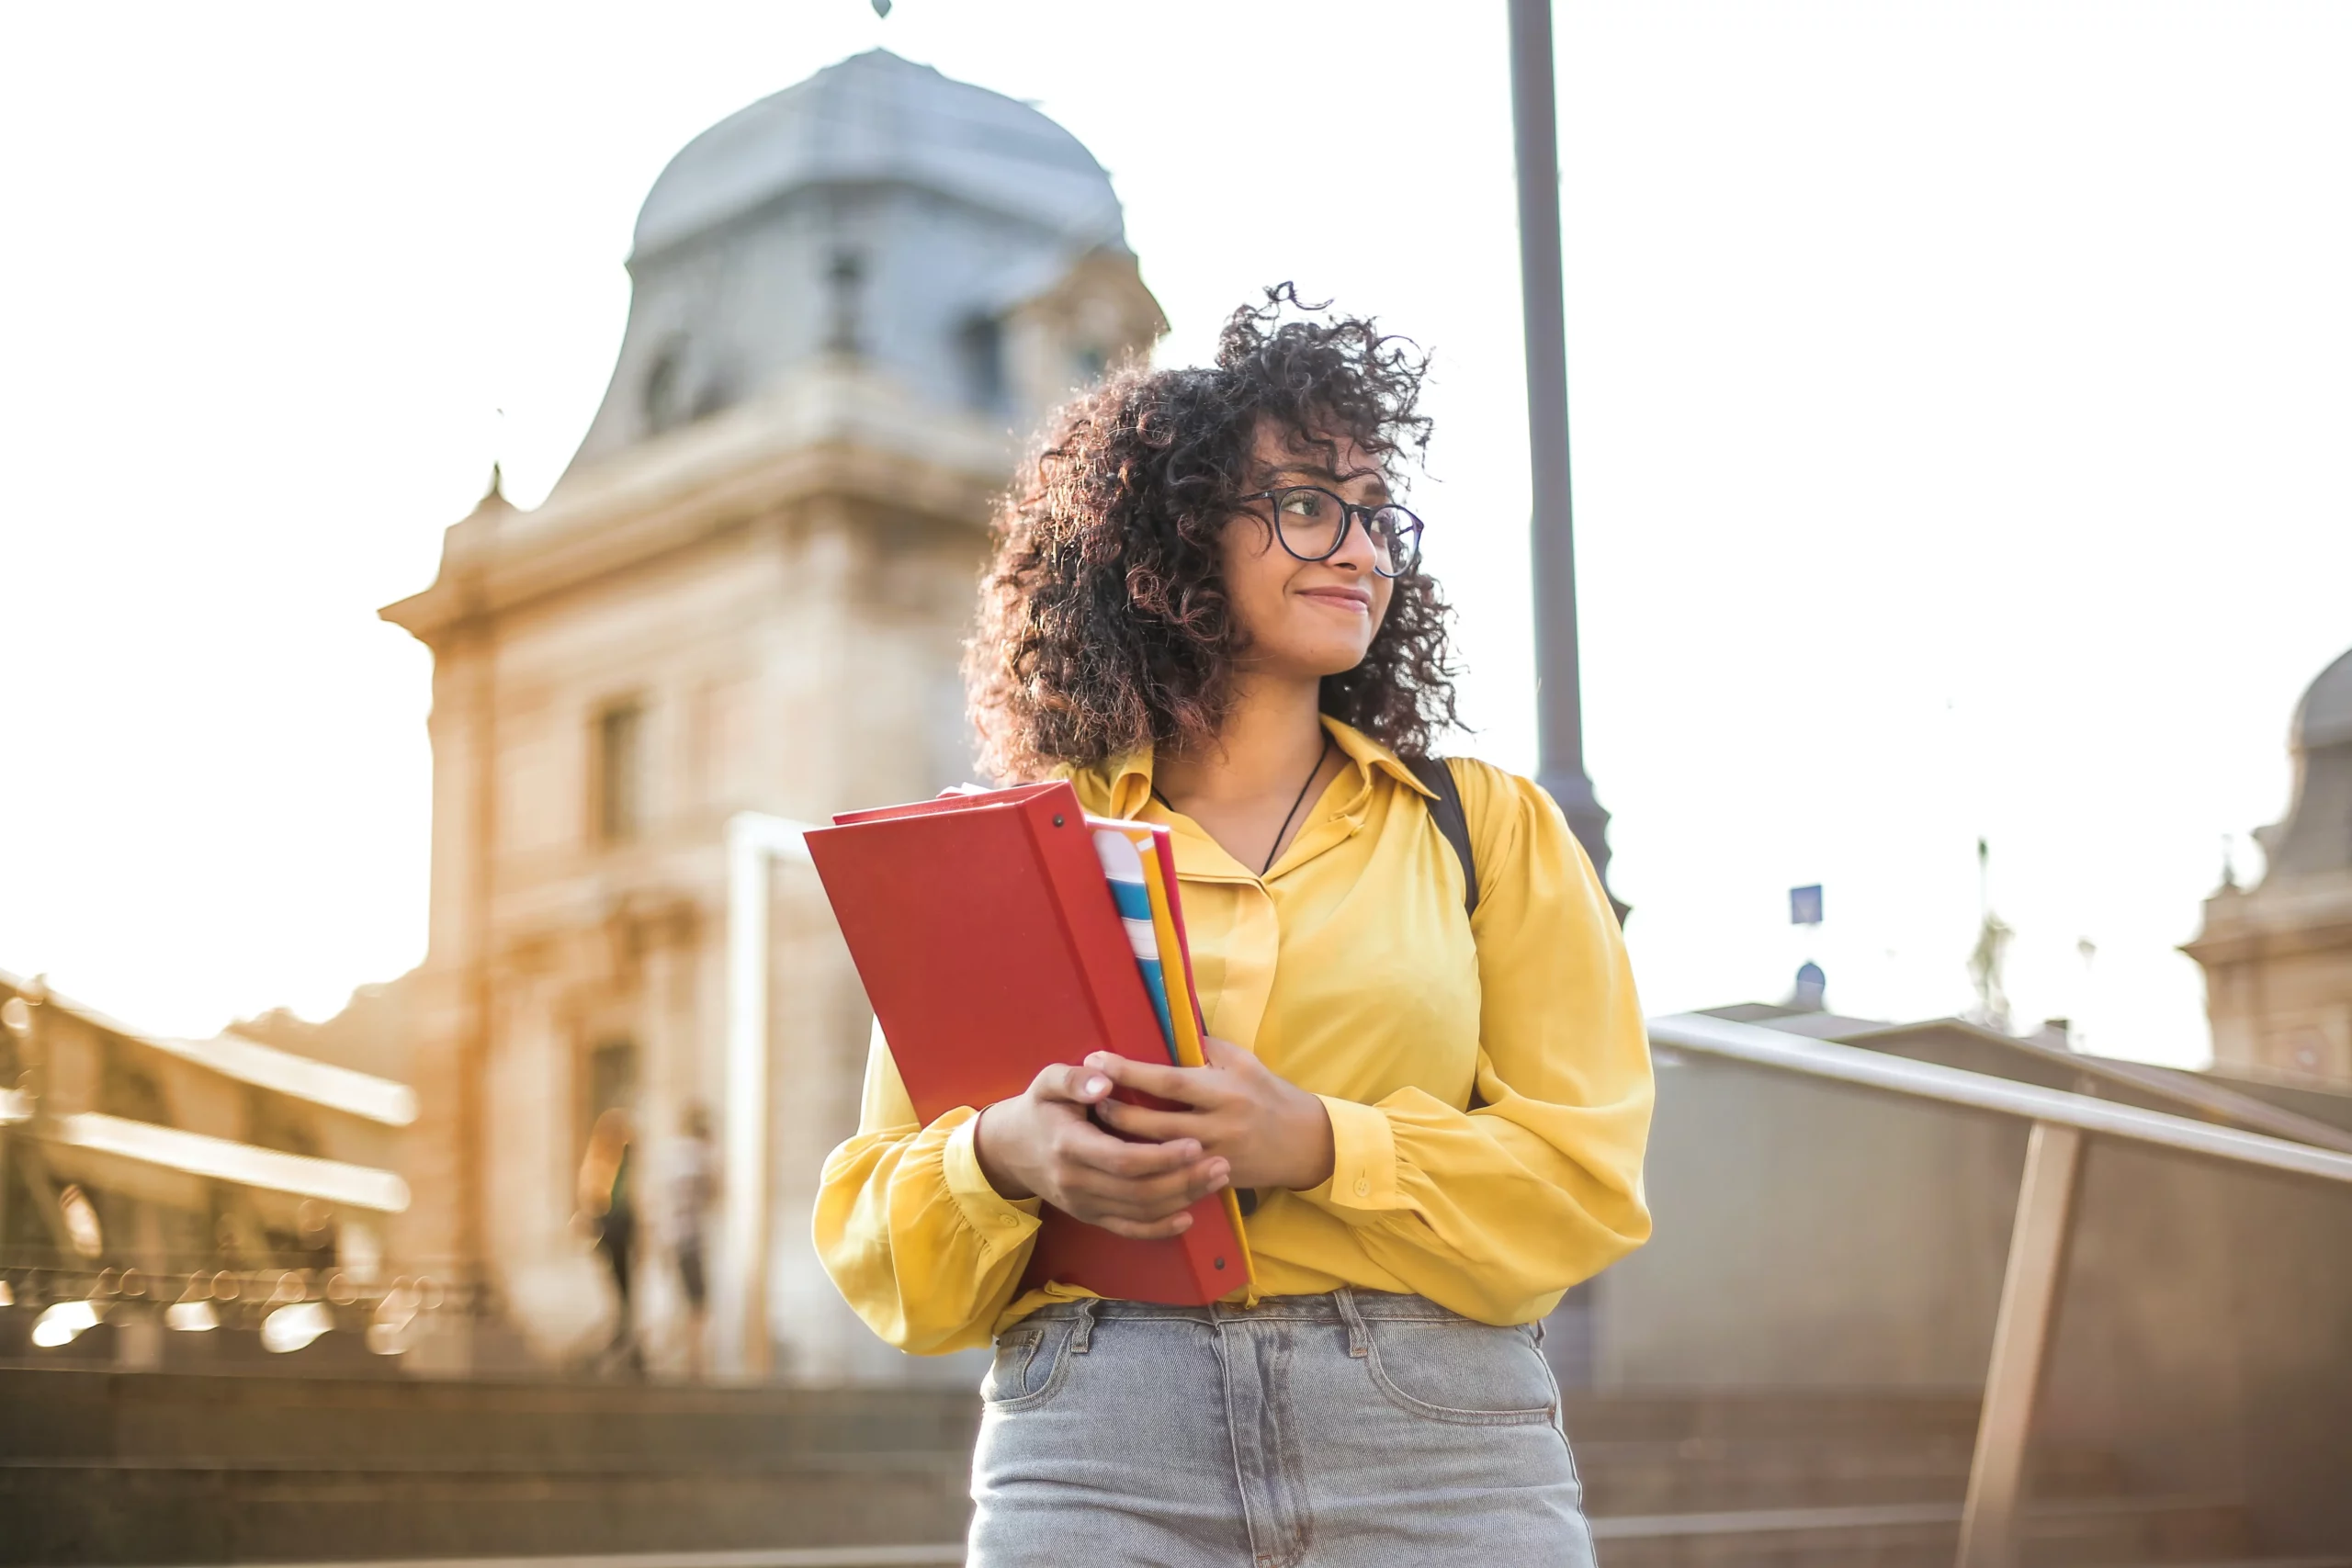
pixel 1959 398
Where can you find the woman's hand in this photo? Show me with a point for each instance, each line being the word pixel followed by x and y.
pixel 1041 1144
pixel 1268 1131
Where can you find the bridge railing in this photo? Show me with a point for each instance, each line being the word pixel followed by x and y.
pixel 2060 1124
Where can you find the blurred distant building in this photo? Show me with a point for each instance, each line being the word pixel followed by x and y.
pixel 374 1033
pixel 2278 957
pixel 224 1179
pixel 749 590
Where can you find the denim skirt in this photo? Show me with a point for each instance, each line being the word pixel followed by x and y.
pixel 1350 1431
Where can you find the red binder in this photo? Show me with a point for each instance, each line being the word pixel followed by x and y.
pixel 989 946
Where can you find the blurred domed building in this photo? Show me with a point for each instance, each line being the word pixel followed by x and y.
pixel 957 245
pixel 748 593
pixel 2278 957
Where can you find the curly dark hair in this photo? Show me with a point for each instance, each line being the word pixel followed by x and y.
pixel 1103 619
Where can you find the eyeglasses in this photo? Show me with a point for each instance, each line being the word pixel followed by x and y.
pixel 1312 524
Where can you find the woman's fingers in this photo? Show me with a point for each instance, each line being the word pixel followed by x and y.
pixel 1096 1211
pixel 1096 1197
pixel 1084 1144
pixel 1153 1196
pixel 1071 1084
pixel 1224 1053
pixel 1140 1189
pixel 1100 1176
pixel 1186 1086
pixel 1142 1121
pixel 1146 1230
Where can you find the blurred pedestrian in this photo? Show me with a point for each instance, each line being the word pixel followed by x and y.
pixel 689 1191
pixel 608 1207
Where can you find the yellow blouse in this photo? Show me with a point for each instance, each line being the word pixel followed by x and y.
pixel 1488 1080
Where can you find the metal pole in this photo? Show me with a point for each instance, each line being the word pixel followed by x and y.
pixel 1559 698
pixel 2021 1336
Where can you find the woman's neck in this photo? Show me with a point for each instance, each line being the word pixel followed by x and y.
pixel 1271 736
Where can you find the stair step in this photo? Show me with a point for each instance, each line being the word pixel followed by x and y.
pixel 51 1413
pixel 1653 1416
pixel 115 1514
pixel 2099 1533
pixel 1627 1478
pixel 1771 1521
pixel 590 1471
pixel 2121 1532
pixel 947 1555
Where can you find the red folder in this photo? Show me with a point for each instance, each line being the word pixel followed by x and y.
pixel 989 946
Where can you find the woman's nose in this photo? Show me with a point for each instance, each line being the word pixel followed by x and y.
pixel 1356 549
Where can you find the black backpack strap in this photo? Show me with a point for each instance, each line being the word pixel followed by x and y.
pixel 1452 821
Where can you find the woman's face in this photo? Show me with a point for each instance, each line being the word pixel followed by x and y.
pixel 1300 618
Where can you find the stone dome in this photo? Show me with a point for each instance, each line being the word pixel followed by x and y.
pixel 2324 716
pixel 875 119
pixel 878 213
pixel 2315 836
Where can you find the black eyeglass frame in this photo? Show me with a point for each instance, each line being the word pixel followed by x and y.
pixel 1351 515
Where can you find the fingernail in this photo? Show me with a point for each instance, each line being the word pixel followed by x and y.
pixel 1184 1224
pixel 1096 1086
pixel 1219 1182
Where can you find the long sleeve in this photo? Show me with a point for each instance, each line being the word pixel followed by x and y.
pixel 1497 1210
pixel 914 1237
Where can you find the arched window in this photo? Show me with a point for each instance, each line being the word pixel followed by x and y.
pixel 980 346
pixel 663 398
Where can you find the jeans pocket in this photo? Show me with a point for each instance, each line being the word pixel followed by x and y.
pixel 1469 1373
pixel 1029 1366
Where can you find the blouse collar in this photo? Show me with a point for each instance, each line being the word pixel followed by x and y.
pixel 1124 782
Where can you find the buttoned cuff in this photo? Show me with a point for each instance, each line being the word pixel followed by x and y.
pixel 1003 1223
pixel 1363 1163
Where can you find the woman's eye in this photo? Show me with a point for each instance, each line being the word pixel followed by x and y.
pixel 1303 503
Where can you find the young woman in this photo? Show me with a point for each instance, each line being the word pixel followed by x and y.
pixel 1207 609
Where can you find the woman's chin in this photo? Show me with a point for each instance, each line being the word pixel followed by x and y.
pixel 1329 659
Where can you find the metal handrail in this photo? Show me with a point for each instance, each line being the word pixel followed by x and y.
pixel 2189 1094
pixel 2033 1278
pixel 1764 1047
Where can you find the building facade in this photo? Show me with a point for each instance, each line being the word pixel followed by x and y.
pixel 2278 956
pixel 748 593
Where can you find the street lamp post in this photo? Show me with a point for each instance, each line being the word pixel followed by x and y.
pixel 1559 701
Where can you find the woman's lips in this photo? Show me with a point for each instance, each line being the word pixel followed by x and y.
pixel 1356 599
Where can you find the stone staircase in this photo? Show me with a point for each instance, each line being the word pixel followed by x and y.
pixel 1857 1480
pixel 166 1468
pixel 100 1466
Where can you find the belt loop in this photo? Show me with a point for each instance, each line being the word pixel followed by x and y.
pixel 1082 1335
pixel 1359 1337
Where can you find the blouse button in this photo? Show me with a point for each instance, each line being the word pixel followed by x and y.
pixel 1364 1188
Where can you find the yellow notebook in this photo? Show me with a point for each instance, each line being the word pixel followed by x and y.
pixel 1184 1011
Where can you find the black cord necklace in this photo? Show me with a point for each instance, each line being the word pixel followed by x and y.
pixel 1294 805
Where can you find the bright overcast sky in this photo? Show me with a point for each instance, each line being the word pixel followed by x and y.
pixel 1959 406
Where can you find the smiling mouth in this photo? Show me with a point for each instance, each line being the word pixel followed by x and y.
pixel 1338 598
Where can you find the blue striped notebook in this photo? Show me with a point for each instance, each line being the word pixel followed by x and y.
pixel 1122 859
